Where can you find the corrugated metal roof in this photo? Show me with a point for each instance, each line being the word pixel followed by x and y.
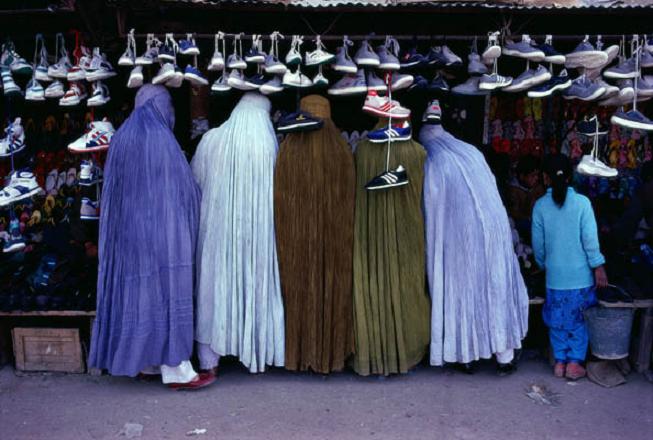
pixel 490 4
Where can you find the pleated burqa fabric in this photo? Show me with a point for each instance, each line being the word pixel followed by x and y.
pixel 314 189
pixel 148 231
pixel 239 304
pixel 480 303
pixel 391 305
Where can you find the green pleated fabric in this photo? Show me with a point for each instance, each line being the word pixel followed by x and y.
pixel 391 304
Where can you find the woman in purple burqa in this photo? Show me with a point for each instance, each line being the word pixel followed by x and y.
pixel 148 231
pixel 479 300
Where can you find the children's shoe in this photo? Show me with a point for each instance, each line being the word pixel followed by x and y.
pixel 166 72
pixel 89 174
pixel 100 95
pixel 388 179
pixel 74 95
pixel 14 140
pixel 177 79
pixel 188 46
pixel 559 369
pixel 9 86
pixel 15 242
pixel 217 62
pixel 319 56
pixel 344 63
pixel 433 113
pixel 89 210
pixel 296 79
pixel 22 185
pixel 365 56
pixel 34 91
pixel 55 90
pixel 128 58
pixel 350 85
pixel 272 86
pixel 383 107
pixel 221 86
pixel 97 138
pixel 135 77
pixel 195 77
pixel 255 55
pixel 575 371
pixel 395 133
pixel 294 56
pixel 299 121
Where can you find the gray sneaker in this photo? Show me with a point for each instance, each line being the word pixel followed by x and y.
pixel 273 66
pixel 350 85
pixel 584 89
pixel 470 88
pixel 625 70
pixel 610 90
pixel 611 52
pixel 522 82
pixel 493 50
pixel 646 60
pixel 401 81
pixel 475 67
pixel 586 55
pixel 523 49
pixel 645 86
pixel 272 86
pixel 375 83
pixel 625 96
pixel 453 60
pixel 344 62
pixel 366 56
pixel 388 54
pixel 494 81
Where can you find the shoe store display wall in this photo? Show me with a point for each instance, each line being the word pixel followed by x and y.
pixel 512 83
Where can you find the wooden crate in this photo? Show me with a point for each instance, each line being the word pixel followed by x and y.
pixel 48 349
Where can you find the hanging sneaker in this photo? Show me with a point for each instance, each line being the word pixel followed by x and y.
pixel 625 96
pixel 148 58
pixel 350 85
pixel 41 72
pixel 22 185
pixel 556 83
pixel 128 57
pixel 591 127
pixel 586 56
pixel 294 56
pixel 320 80
pixel 74 95
pixel 584 89
pixel 89 173
pixel 41 69
pixel 188 46
pixel 474 66
pixel 100 95
pixel 217 62
pixel 15 241
pixel 388 179
pixel 452 60
pixel 470 88
pixel 255 54
pixel 19 66
pixel 383 107
pixel 493 50
pixel 55 90
pixel 625 70
pixel 14 140
pixel 412 59
pixel 401 81
pixel 592 166
pixel 166 71
pixel 645 85
pixel 365 56
pixel 646 60
pixel 135 77
pixel 59 70
pixel 523 49
pixel 529 78
pixel 89 210
pixel 236 62
pixel 99 69
pixel 34 91
pixel 610 90
pixel 195 77
pixel 220 86
pixel 388 54
pixel 438 84
pixel 319 56
pixel 177 79
pixel 419 84
pixel 296 79
pixel 433 113
pixel 632 119
pixel 299 121
pixel 97 138
pixel 375 83
pixel 494 81
pixel 237 80
pixel 272 86
pixel 8 85
pixel 273 66
pixel 611 53
pixel 394 133
pixel 344 63
pixel 436 58
pixel 78 71
pixel 255 81
pixel 550 54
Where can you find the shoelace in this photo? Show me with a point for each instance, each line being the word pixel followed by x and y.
pixel 346 44
pixel 131 41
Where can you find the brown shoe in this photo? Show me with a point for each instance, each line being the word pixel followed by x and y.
pixel 575 371
pixel 559 369
pixel 202 380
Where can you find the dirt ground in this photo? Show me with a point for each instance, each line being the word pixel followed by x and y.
pixel 428 403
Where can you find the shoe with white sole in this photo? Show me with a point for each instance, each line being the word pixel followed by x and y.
pixel 272 86
pixel 375 83
pixel 584 89
pixel 89 173
pixel 177 79
pixel 433 113
pixel 221 86
pixel 585 55
pixel 365 56
pixel 592 166
pixel 394 133
pixel 74 95
pixel 128 58
pixel 97 138
pixel 89 210
pixel 494 81
pixel 14 240
pixel 294 56
pixel 99 69
pixel 78 71
pixel 34 91
pixel 273 66
pixel 151 53
pixel 22 185
pixel 9 86
pixel 255 54
pixel 217 62
pixel 236 62
pixel 528 79
pixel 550 54
pixel 14 140
pixel 401 81
pixel 389 54
pixel 625 70
pixel 632 119
pixel 296 79
pixel 100 95
pixel 195 77
pixel 523 49
pixel 188 46
pixel 388 179
pixel 166 71
pixel 319 80
pixel 319 56
pixel 349 85
pixel 55 90
pixel 383 107
pixel 557 83
pixel 493 50
pixel 298 121
pixel 238 81
pixel 625 96
pixel 343 62
pixel 135 77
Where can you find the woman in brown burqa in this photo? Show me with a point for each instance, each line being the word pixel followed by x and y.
pixel 391 305
pixel 314 187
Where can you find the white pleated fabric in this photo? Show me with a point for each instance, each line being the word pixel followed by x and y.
pixel 479 299
pixel 239 308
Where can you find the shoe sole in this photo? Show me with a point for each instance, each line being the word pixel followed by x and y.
pixel 27 195
pixel 597 173
pixel 588 59
pixel 142 62
pixel 126 63
pixel 70 104
pixel 197 80
pixel 377 88
pixel 298 126
pixel 34 98
pixel 402 84
pixel 393 185
pixel 322 61
pixel 215 67
pixel 390 66
pixel 89 217
pixel 161 79
pixel 596 95
pixel 276 70
pixel 367 62
pixel 14 248
pixel 491 53
pixel 270 90
pixel 100 76
pixel 90 103
pixel 532 56
pixel 255 60
pixel 44 78
pixel 618 75
pixel 409 65
pixel 383 114
pixel 57 96
pixel 239 85
pixel 77 77
pixel 394 139
pixel 490 87
pixel 348 91
pixel 631 124
pixel 551 91
pixel 190 52
pixel 88 150
pixel 237 66
pixel 555 59
pixel 344 69
pixel 299 86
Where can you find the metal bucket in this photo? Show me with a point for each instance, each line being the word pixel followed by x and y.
pixel 609 331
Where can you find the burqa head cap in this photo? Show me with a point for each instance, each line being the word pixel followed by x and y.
pixel 160 99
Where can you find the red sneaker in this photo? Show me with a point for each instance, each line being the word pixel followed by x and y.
pixel 575 371
pixel 203 380
pixel 559 369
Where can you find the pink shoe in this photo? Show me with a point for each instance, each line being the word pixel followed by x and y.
pixel 575 371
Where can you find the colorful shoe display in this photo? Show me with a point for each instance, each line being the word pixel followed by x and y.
pixel 388 179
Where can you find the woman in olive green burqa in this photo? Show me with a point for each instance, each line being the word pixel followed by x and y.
pixel 314 187
pixel 391 305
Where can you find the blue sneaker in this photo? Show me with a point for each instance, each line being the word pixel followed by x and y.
pixel 411 59
pixel 436 57
pixel 584 89
pixel 523 49
pixel 388 179
pixel 625 70
pixel 586 55
pixel 298 121
pixel 89 210
pixel 419 83
pixel 14 140
pixel 15 242
pixel 439 84
pixel 188 46
pixel 556 83
pixel 550 54
pixel 400 132
pixel 632 119
pixel 195 77
pixel 344 63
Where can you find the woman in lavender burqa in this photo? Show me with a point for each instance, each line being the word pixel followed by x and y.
pixel 479 300
pixel 148 231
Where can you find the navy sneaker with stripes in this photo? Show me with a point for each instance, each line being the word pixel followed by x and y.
pixel 394 133
pixel 388 179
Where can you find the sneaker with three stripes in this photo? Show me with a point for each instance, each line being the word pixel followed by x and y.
pixel 388 179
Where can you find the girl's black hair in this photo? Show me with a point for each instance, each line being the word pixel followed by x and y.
pixel 558 168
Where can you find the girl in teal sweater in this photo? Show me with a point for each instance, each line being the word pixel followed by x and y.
pixel 566 246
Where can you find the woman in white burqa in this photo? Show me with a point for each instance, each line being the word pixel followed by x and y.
pixel 239 308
